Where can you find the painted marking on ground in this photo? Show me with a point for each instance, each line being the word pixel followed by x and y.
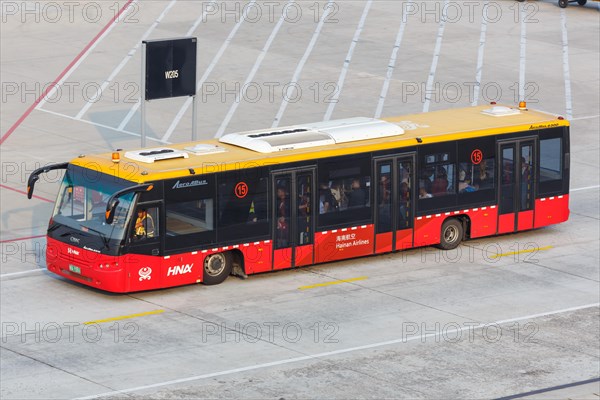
pixel 68 70
pixel 523 52
pixel 24 192
pixel 122 317
pixel 480 53
pixel 342 77
pixel 511 253
pixel 317 285
pixel 317 356
pixel 250 77
pixel 29 271
pixel 391 66
pixel 22 238
pixel 289 91
pixel 566 69
pixel 124 62
pixel 585 188
pixel 436 57
pixel 208 71
pixel 112 128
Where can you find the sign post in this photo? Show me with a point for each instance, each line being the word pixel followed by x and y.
pixel 168 70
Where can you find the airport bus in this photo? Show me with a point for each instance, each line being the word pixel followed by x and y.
pixel 273 199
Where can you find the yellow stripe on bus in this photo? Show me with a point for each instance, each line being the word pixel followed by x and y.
pixel 521 252
pixel 360 278
pixel 142 314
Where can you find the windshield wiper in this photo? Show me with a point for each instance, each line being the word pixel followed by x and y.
pixel 105 239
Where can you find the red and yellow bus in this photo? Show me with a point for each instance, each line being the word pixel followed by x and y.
pixel 273 199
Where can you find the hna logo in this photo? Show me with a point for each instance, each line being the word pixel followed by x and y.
pixel 180 269
pixel 172 74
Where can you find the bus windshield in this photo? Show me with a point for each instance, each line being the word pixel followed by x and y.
pixel 81 206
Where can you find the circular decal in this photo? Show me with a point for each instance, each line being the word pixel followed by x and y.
pixel 476 156
pixel 241 190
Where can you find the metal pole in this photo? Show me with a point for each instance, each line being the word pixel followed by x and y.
pixel 194 133
pixel 143 97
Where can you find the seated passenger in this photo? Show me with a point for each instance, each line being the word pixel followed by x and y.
pixel 464 184
pixel 327 203
pixel 440 184
pixel 357 197
pixel 423 193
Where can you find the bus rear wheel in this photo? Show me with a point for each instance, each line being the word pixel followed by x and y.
pixel 452 234
pixel 217 268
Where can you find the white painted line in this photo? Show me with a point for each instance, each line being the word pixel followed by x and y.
pixel 391 66
pixel 480 53
pixel 585 188
pixel 342 78
pixel 213 63
pixel 112 128
pixel 82 59
pixel 523 52
pixel 124 62
pixel 211 3
pixel 289 91
pixel 29 271
pixel 588 117
pixel 313 357
pixel 566 69
pixel 436 57
pixel 250 76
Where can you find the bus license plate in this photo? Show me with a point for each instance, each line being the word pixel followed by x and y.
pixel 74 268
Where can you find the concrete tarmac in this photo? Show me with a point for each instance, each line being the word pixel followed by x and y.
pixel 417 324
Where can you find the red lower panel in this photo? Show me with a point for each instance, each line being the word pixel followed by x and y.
pixel 404 239
pixel 427 230
pixel 383 243
pixel 304 255
pixel 525 220
pixel 282 258
pixel 257 257
pixel 339 244
pixel 484 221
pixel 506 223
pixel 551 210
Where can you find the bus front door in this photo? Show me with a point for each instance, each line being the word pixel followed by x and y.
pixel 394 202
pixel 293 217
pixel 516 175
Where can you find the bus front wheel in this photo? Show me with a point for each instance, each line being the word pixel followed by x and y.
pixel 563 3
pixel 217 268
pixel 452 234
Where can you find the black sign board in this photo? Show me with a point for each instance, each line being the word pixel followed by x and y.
pixel 170 68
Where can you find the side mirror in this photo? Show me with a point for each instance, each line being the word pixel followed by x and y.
pixel 110 210
pixel 113 201
pixel 35 176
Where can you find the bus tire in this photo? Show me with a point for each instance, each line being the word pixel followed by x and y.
pixel 452 234
pixel 563 3
pixel 217 268
pixel 581 2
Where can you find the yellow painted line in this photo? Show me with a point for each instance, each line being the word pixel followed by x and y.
pixel 521 252
pixel 142 314
pixel 360 278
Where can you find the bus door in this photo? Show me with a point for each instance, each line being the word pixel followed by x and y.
pixel 293 217
pixel 516 190
pixel 395 196
pixel 144 244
